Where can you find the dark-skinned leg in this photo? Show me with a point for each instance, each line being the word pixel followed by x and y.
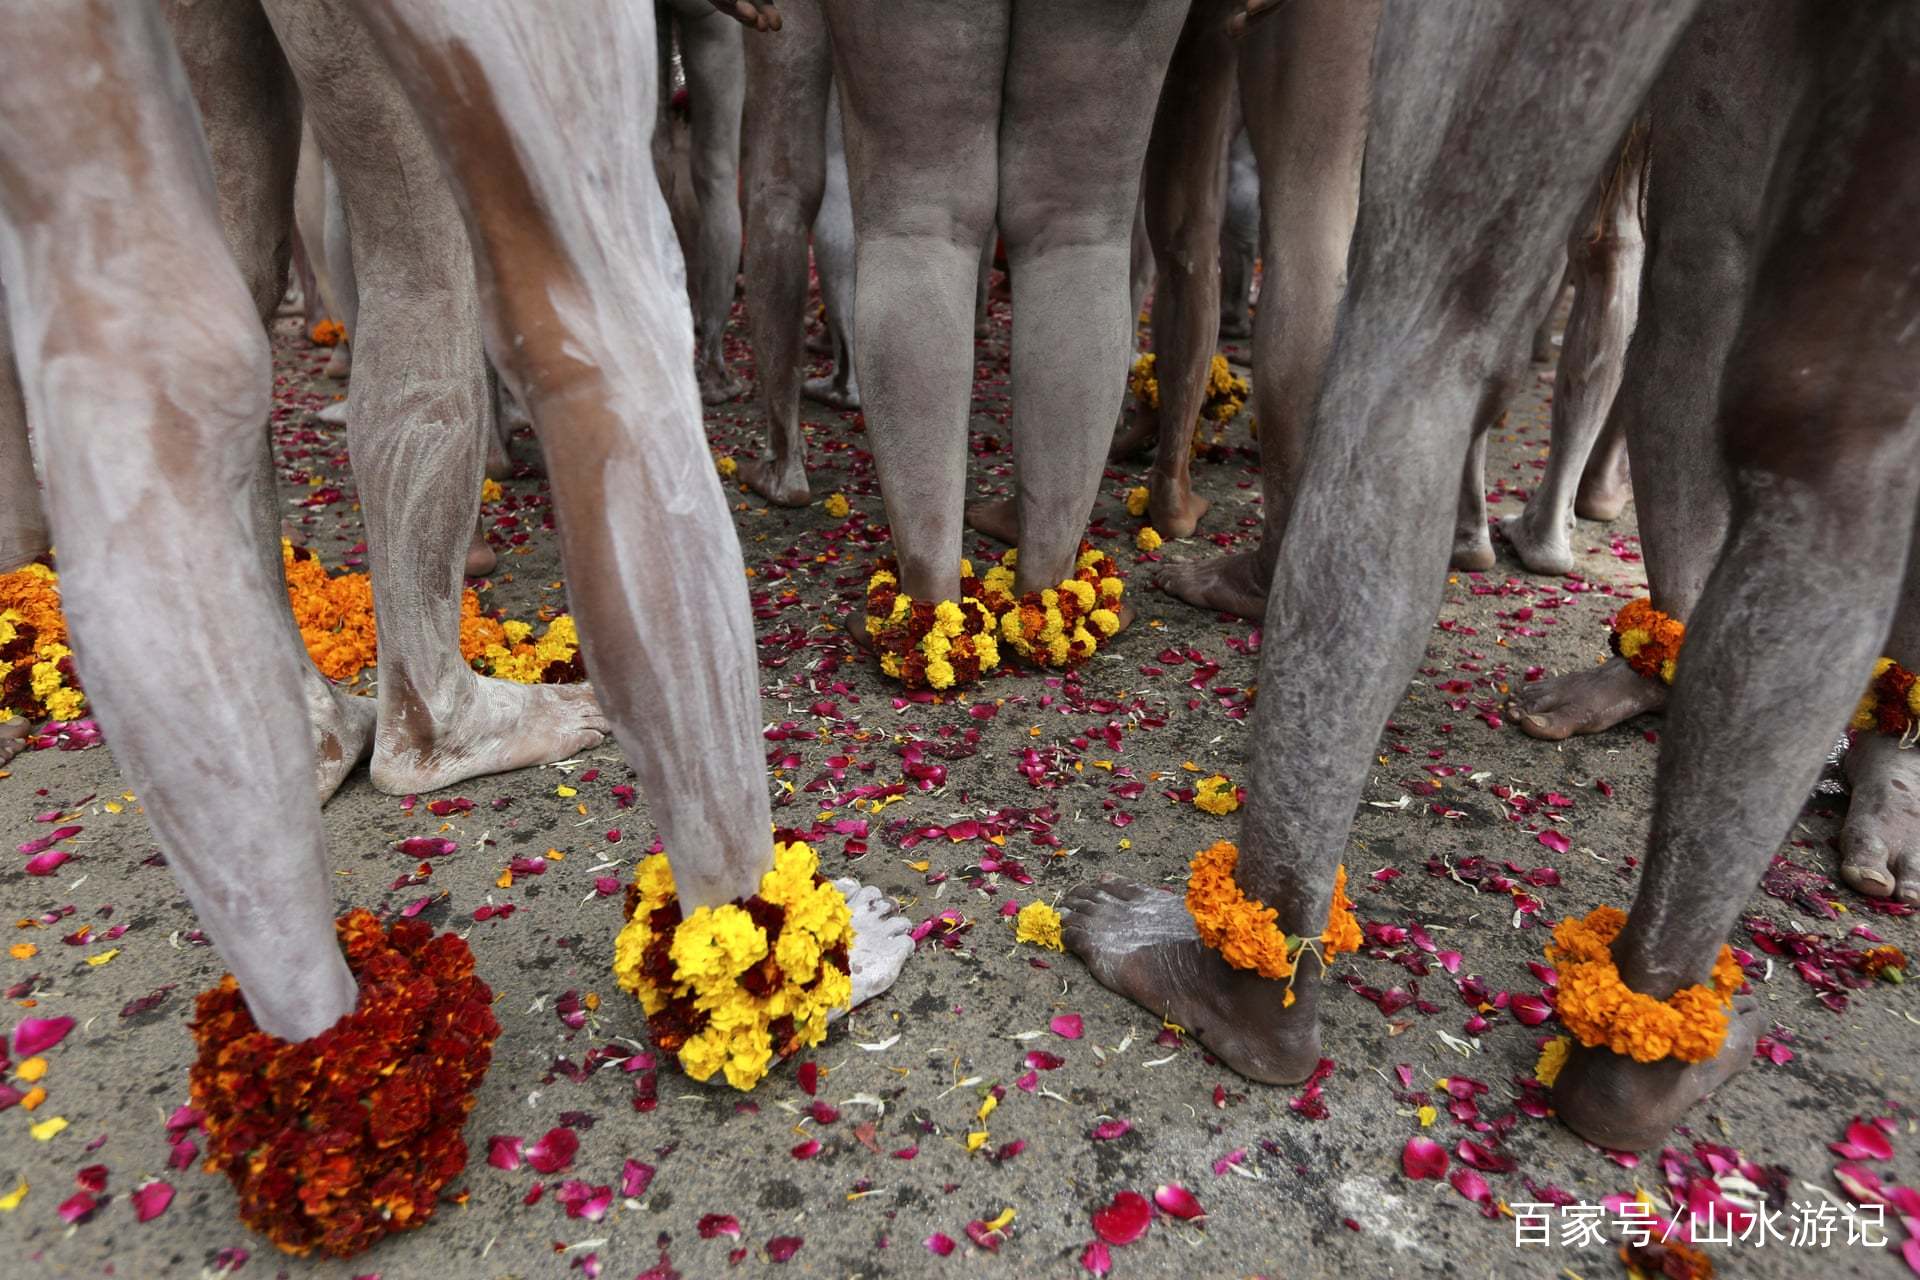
pixel 23 521
pixel 1717 115
pixel 789 77
pixel 1239 234
pixel 1480 149
pixel 1820 434
pixel 1304 82
pixel 833 259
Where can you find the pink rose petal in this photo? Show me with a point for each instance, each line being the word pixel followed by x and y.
pixel 780 1248
pixel 1475 1188
pixel 1423 1158
pixel 150 1199
pixel 1125 1220
pixel 554 1151
pixel 719 1224
pixel 1108 1130
pixel 1068 1026
pixel 1554 841
pixel 47 863
pixel 1864 1142
pixel 635 1178
pixel 1178 1201
pixel 37 1035
pixel 583 1201
pixel 77 1207
pixel 1096 1258
pixel 1530 1010
pixel 503 1152
pixel 940 1244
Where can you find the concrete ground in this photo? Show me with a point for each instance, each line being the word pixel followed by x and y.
pixel 1469 831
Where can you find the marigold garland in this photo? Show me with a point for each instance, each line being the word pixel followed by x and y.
pixel 1062 626
pixel 1243 930
pixel 1599 1009
pixel 1891 704
pixel 1648 639
pixel 926 645
pixel 327 333
pixel 731 988
pixel 1226 393
pixel 336 1141
pixel 37 679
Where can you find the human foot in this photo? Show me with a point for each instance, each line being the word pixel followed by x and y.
pixel 1880 846
pixel 718 384
pixel 342 727
pixel 1172 505
pixel 1546 551
pixel 13 738
pixel 489 726
pixel 1589 701
pixel 340 363
pixel 881 945
pixel 783 484
pixel 832 392
pixel 481 559
pixel 999 520
pixel 334 415
pixel 1139 942
pixel 1235 583
pixel 1604 489
pixel 1135 434
pixel 1472 546
pixel 1613 1101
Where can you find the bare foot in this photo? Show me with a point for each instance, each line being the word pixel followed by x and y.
pixel 334 415
pixel 1472 546
pixel 881 945
pixel 1623 1105
pixel 1591 701
pixel 13 738
pixel 342 733
pixel 832 392
pixel 1172 505
pixel 1235 326
pixel 1139 942
pixel 340 363
pixel 1604 490
pixel 1880 847
pixel 491 726
pixel 481 559
pixel 1545 551
pixel 999 520
pixel 1135 434
pixel 718 384
pixel 1235 583
pixel 784 485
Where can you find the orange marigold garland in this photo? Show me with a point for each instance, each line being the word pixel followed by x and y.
pixel 925 645
pixel 1648 639
pixel 1891 704
pixel 37 679
pixel 1060 627
pixel 327 333
pixel 336 1141
pixel 1599 1009
pixel 1243 930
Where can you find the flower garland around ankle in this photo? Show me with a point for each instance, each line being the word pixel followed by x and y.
pixel 1062 626
pixel 731 988
pixel 1226 394
pixel 1891 704
pixel 336 1141
pixel 1599 1009
pixel 1648 639
pixel 37 679
pixel 1242 930
pixel 925 645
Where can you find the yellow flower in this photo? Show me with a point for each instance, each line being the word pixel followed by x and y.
pixel 1137 501
pixel 1039 924
pixel 1105 621
pixel 66 704
pixel 1148 539
pixel 1215 795
pixel 837 506
pixel 516 630
pixel 1553 1056
pixel 717 943
pixel 490 491
pixel 728 469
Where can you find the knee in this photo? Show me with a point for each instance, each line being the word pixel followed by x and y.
pixel 1037 222
pixel 1698 269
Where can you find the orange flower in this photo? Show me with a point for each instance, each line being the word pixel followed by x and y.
pixel 327 333
pixel 1243 930
pixel 1599 1009
pixel 1648 639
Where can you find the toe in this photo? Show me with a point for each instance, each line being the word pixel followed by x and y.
pixel 1909 879
pixel 1864 864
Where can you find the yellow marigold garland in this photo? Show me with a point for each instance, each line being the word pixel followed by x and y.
pixel 730 988
pixel 1599 1009
pixel 1648 639
pixel 1061 626
pixel 1226 392
pixel 1243 930
pixel 932 646
pixel 37 679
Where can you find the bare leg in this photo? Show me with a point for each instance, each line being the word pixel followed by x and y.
pixel 148 492
pixel 833 257
pixel 1133 438
pixel 310 229
pixel 1304 80
pixel 789 79
pixel 1185 189
pixel 716 83
pixel 1880 846
pixel 1717 116
pixel 1480 149
pixel 345 298
pixel 1239 235
pixel 23 523
pixel 920 89
pixel 1819 429
pixel 417 428
pixel 1543 335
pixel 1604 256
pixel 983 287
pixel 1472 541
pixel 1607 483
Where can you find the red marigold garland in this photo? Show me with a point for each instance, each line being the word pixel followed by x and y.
pixel 1648 639
pixel 336 1141
pixel 1891 704
pixel 928 645
pixel 1061 627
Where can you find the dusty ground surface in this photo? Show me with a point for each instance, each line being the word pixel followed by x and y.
pixel 1469 831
